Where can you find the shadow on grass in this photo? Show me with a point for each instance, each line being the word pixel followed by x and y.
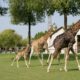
pixel 75 69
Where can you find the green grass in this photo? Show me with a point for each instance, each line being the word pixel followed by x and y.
pixel 36 71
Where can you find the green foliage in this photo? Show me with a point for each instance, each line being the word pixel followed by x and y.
pixel 3 10
pixel 78 5
pixel 24 42
pixel 67 6
pixel 50 8
pixel 38 35
pixel 27 12
pixel 23 11
pixel 8 39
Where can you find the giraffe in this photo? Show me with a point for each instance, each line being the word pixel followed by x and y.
pixel 23 53
pixel 38 44
pixel 65 40
pixel 50 42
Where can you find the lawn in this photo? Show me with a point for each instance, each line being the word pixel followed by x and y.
pixel 36 71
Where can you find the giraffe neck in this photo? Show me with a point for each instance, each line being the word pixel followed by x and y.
pixel 47 35
pixel 75 28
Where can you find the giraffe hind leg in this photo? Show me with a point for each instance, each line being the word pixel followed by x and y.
pixel 13 61
pixel 26 61
pixel 41 61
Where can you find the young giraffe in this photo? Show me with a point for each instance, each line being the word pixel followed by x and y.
pixel 37 45
pixel 65 40
pixel 24 53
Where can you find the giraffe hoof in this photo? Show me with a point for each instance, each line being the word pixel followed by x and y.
pixel 29 63
pixel 60 69
pixel 42 64
pixel 27 66
pixel 48 70
pixel 79 68
pixel 11 64
pixel 65 70
pixel 47 62
pixel 17 66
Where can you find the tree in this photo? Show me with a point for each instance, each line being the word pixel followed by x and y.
pixel 27 12
pixel 50 9
pixel 78 5
pixel 66 7
pixel 39 34
pixel 24 42
pixel 3 10
pixel 9 39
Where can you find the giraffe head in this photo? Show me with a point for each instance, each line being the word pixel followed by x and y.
pixel 51 30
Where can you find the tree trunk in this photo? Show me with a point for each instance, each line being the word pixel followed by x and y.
pixel 65 22
pixel 65 28
pixel 29 32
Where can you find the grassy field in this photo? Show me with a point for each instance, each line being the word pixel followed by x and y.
pixel 36 71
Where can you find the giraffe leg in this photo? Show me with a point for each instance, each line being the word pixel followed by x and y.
pixel 13 61
pixel 66 59
pixel 76 57
pixel 17 59
pixel 40 60
pixel 58 58
pixel 50 63
pixel 65 67
pixel 26 61
pixel 30 55
pixel 17 64
pixel 48 58
pixel 53 56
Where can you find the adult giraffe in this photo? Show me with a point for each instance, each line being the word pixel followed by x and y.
pixel 65 40
pixel 38 44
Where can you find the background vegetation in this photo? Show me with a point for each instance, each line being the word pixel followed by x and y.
pixel 9 39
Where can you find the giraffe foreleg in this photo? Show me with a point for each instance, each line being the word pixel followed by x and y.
pixel 48 58
pixel 40 59
pixel 13 61
pixel 50 63
pixel 76 57
pixel 17 64
pixel 26 61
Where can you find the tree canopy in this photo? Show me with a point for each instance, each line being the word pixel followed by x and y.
pixel 67 7
pixel 24 10
pixel 9 39
pixel 32 11
pixel 27 12
pixel 3 10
